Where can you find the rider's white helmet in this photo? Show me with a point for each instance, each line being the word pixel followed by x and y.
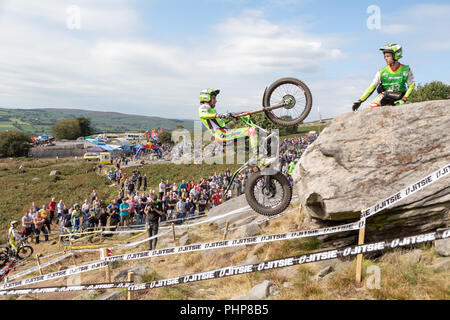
pixel 13 223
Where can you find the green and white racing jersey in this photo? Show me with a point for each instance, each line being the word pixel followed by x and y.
pixel 399 80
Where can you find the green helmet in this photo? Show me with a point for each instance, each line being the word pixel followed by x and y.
pixel 395 49
pixel 205 95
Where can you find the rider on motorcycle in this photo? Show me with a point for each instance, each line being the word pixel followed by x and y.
pixel 14 237
pixel 394 82
pixel 216 123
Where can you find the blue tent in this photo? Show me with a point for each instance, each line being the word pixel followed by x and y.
pixel 130 147
pixel 97 142
pixel 108 148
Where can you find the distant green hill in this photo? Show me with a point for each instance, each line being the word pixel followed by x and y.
pixel 39 121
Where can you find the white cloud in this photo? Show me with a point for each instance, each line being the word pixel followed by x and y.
pixel 250 44
pixel 99 16
pixel 108 68
pixel 428 22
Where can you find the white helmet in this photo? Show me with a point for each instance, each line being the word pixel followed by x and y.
pixel 13 223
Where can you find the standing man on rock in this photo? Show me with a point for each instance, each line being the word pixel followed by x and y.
pixel 394 82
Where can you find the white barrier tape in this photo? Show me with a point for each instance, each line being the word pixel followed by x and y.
pixel 133 244
pixel 51 255
pixel 99 286
pixel 187 218
pixel 264 220
pixel 165 228
pixel 294 260
pixel 124 232
pixel 46 264
pixel 55 275
pixel 243 209
pixel 406 192
pixel 235 242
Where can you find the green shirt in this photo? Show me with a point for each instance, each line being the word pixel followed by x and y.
pixel 399 80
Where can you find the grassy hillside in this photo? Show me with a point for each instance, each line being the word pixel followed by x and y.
pixel 400 279
pixel 74 185
pixel 39 121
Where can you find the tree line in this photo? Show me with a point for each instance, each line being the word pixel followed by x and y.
pixel 15 143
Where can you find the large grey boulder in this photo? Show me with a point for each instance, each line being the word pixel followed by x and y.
pixel 412 256
pixel 367 156
pixel 262 290
pixel 442 247
pixel 258 292
pixel 238 205
pixel 248 230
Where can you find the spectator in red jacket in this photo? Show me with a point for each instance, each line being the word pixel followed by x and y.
pixel 216 199
pixel 52 209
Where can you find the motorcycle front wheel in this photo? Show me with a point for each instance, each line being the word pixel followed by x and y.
pixel 271 198
pixel 296 96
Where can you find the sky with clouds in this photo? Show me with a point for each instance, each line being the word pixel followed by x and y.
pixel 153 57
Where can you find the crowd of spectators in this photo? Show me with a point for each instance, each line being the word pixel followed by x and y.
pixel 136 204
pixel 185 199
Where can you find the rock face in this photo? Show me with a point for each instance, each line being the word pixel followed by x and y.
pixel 443 247
pixel 258 292
pixel 367 156
pixel 238 205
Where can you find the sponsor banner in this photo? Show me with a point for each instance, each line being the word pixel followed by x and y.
pixel 235 242
pixel 295 260
pixel 406 192
pixel 98 286
pixel 43 265
pixel 55 275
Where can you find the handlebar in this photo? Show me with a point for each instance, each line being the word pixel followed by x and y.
pixel 249 113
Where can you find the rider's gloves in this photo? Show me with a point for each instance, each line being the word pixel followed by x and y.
pixel 400 102
pixel 224 115
pixel 356 105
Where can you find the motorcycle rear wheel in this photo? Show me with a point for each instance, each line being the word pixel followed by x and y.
pixel 256 192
